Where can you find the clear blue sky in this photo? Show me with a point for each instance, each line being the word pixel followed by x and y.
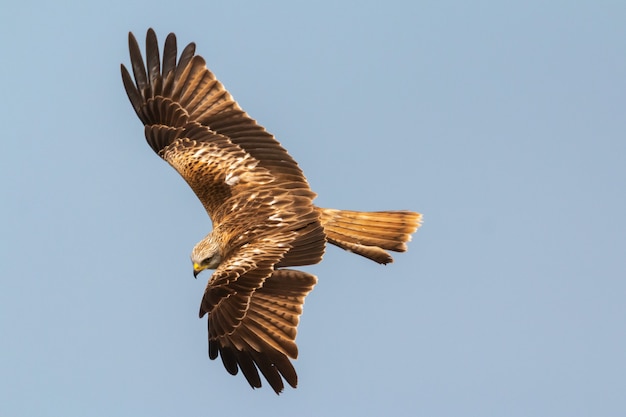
pixel 503 122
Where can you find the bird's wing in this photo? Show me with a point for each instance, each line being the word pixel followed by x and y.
pixel 232 164
pixel 254 311
pixel 173 93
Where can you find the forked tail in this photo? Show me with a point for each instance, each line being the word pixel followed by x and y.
pixel 370 234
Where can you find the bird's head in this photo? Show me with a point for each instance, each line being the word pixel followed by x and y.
pixel 205 255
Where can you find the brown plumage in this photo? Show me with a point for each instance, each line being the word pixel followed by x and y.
pixel 261 207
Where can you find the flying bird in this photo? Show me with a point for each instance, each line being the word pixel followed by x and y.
pixel 261 207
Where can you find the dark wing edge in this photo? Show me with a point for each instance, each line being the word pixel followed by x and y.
pixel 265 339
pixel 176 93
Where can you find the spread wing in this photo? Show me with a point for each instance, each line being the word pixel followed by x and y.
pixel 254 312
pixel 192 122
pixel 186 91
pixel 224 155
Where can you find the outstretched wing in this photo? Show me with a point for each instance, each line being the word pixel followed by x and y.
pixel 254 311
pixel 225 156
pixel 186 91
pixel 264 338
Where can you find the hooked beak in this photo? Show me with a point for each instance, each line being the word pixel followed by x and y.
pixel 197 269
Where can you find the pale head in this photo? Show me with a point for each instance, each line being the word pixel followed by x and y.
pixel 206 255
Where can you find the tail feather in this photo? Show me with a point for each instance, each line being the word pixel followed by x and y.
pixel 370 234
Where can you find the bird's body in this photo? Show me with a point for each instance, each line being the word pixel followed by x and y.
pixel 261 207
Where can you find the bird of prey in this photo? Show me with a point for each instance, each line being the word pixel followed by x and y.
pixel 261 207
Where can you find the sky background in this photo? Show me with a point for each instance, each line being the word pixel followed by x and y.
pixel 502 122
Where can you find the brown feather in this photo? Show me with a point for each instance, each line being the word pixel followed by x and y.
pixel 370 233
pixel 261 207
pixel 267 331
